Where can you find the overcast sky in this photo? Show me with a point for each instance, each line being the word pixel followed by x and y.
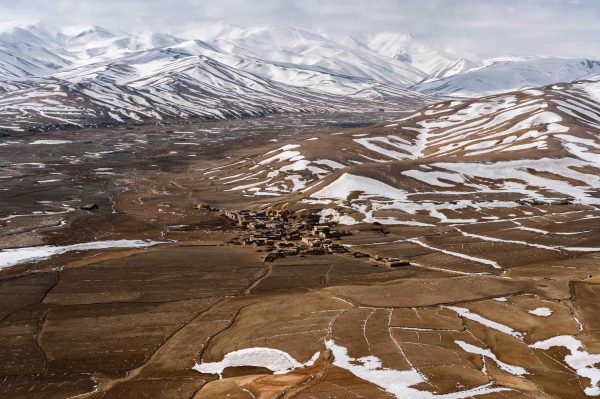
pixel 567 28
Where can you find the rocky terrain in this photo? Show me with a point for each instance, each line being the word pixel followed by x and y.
pixel 447 252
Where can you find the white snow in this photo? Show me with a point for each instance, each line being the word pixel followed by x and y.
pixel 282 156
pixel 541 312
pixel 332 215
pixel 520 170
pixel 286 147
pixel 383 145
pixel 582 249
pixel 593 90
pixel 515 370
pixel 433 177
pixel 369 368
pixel 456 254
pixel 466 313
pixel 11 257
pixel 494 239
pixel 580 360
pixel 397 382
pixel 347 183
pixel 501 75
pixel 279 362
pixel 51 142
pixel 48 181
pixel 329 163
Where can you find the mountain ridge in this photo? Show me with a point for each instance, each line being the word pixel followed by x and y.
pixel 338 73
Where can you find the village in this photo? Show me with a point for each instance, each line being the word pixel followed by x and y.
pixel 281 233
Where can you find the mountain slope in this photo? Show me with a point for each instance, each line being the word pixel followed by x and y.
pixel 507 75
pixel 457 67
pixel 32 50
pixel 236 72
pixel 299 47
pixel 175 87
pixel 155 76
pixel 314 77
pixel 450 162
pixel 404 47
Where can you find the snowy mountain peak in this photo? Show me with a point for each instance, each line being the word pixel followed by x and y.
pixel 403 47
pixel 512 74
pixel 454 68
pixel 280 44
pixel 80 31
pixel 37 34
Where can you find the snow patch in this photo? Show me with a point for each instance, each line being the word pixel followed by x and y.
pixel 12 257
pixel 279 362
pixel 541 312
pixel 581 361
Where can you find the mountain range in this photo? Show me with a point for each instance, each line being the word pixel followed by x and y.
pixel 84 76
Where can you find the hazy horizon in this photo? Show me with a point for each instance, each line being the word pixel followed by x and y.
pixel 559 28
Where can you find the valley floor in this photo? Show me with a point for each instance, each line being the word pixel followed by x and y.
pixel 492 303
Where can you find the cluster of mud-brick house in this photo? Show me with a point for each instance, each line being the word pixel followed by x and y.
pixel 281 233
pixel 284 233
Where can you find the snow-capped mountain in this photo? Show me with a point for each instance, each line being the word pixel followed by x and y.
pixel 302 58
pixel 315 77
pixel 111 48
pixel 300 47
pixel 31 51
pixel 511 74
pixel 459 66
pixel 86 75
pixel 405 48
pixel 173 86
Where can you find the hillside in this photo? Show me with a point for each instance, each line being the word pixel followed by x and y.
pixel 510 74
pixel 449 162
